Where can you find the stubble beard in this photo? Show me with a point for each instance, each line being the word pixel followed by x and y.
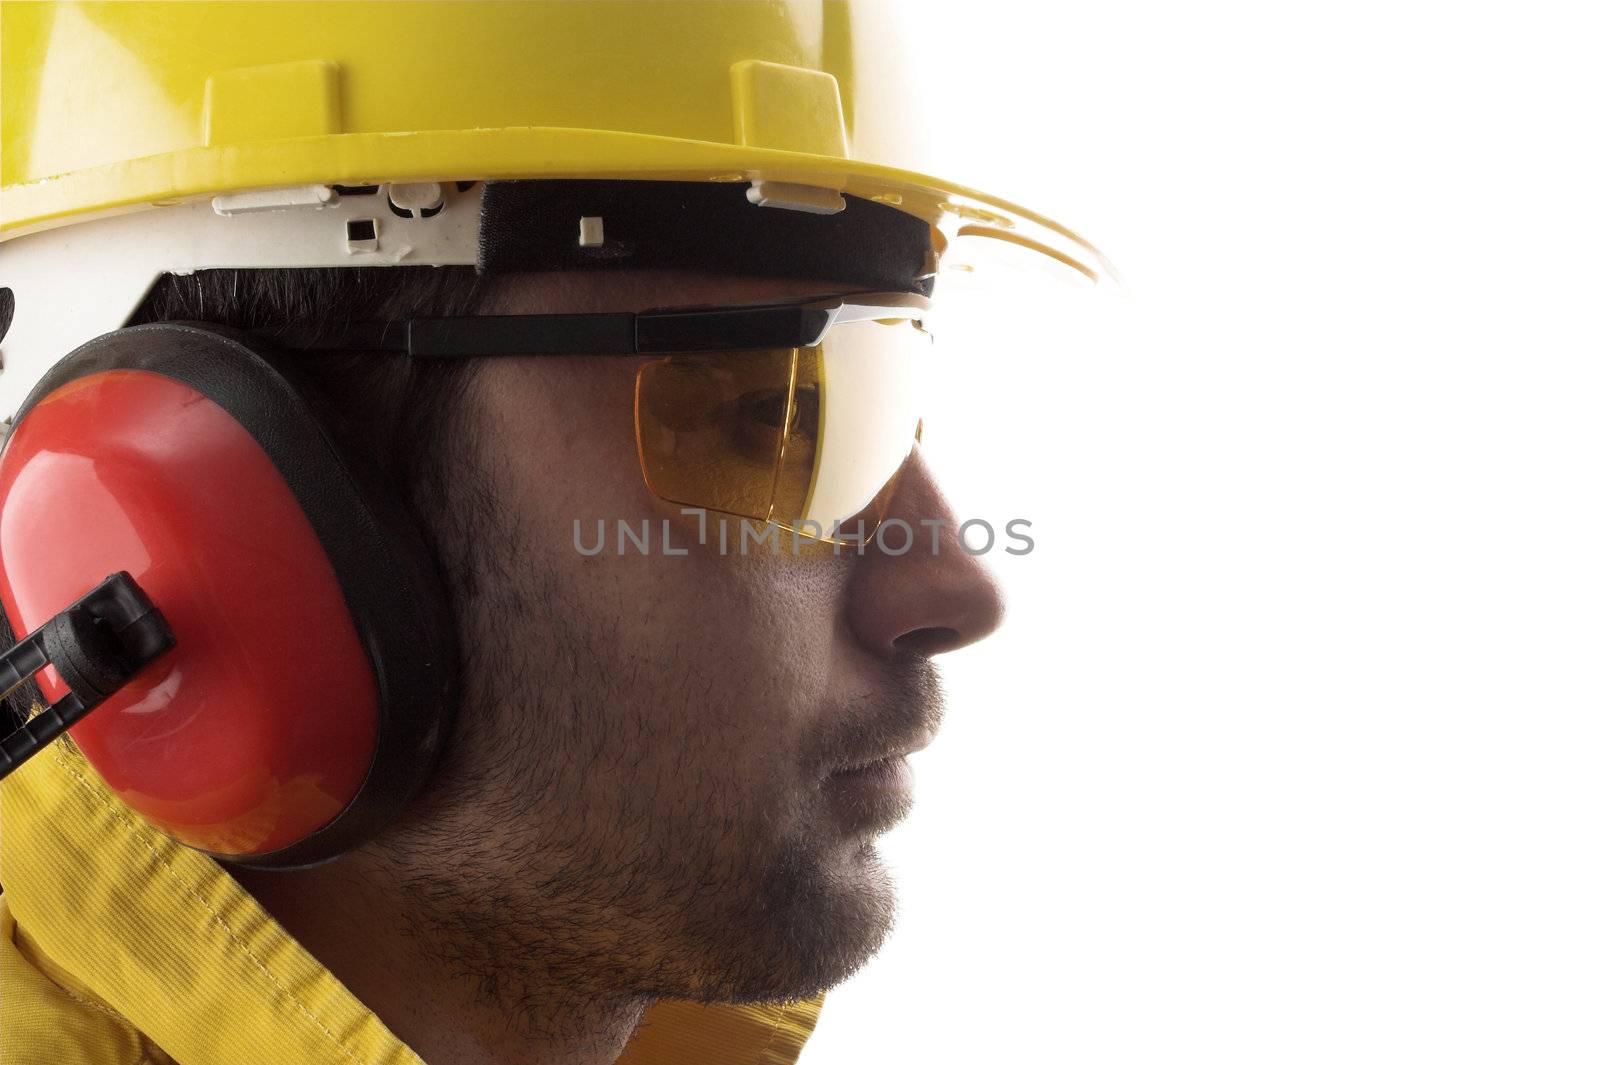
pixel 521 885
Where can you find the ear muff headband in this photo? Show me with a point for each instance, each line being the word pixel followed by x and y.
pixel 314 676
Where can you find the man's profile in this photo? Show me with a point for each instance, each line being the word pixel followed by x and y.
pixel 428 288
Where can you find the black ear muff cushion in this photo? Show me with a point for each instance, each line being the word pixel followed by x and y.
pixel 387 576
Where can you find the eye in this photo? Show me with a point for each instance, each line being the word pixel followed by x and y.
pixel 807 412
pixel 768 407
pixel 754 423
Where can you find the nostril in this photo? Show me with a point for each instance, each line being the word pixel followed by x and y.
pixel 929 641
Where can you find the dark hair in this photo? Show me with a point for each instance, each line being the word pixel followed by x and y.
pixel 404 413
pixel 393 407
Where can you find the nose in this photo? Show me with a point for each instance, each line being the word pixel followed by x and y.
pixel 932 597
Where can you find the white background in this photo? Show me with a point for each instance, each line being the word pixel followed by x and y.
pixel 1288 750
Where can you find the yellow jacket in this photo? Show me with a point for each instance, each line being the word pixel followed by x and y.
pixel 120 947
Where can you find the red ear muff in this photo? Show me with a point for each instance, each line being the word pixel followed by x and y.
pixel 312 682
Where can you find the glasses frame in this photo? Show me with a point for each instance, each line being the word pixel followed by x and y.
pixel 661 331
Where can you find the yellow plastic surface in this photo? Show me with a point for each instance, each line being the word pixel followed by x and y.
pixel 120 946
pixel 108 107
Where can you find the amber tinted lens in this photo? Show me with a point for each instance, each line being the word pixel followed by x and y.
pixel 711 428
pixel 810 438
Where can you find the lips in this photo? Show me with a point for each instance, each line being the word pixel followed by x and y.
pixel 880 727
pixel 910 746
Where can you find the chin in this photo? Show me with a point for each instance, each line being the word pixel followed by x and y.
pixel 815 921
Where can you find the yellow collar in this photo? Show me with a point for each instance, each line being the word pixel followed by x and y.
pixel 112 933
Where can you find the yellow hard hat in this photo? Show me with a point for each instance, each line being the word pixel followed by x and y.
pixel 113 106
pixel 129 107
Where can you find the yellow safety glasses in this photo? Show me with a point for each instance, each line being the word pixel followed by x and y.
pixel 810 438
pixel 800 413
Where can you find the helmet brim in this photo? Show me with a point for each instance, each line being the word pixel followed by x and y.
pixel 525 153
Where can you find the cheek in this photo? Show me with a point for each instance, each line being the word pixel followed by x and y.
pixel 560 433
pixel 717 665
pixel 728 668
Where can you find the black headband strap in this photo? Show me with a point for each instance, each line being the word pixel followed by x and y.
pixel 698 225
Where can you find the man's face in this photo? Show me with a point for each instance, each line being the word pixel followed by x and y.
pixel 650 787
